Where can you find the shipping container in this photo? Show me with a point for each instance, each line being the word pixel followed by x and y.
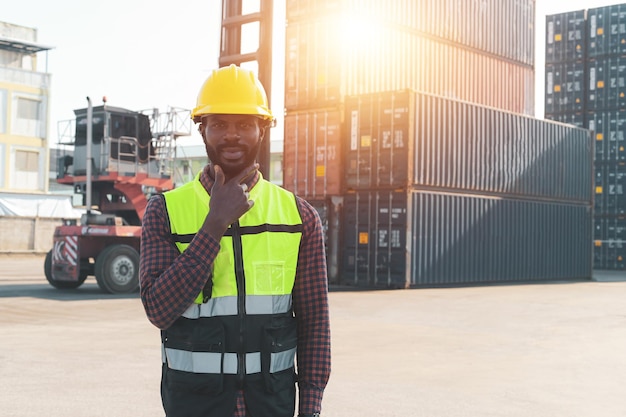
pixel 609 254
pixel 499 27
pixel 609 130
pixel 610 184
pixel 575 119
pixel 404 138
pixel 329 209
pixel 417 238
pixel 566 37
pixel 607 83
pixel 565 87
pixel 607 30
pixel 313 153
pixel 609 228
pixel 323 65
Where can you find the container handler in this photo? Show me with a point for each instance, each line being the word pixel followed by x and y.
pixel 119 158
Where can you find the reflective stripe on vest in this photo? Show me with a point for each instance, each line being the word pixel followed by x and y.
pixel 211 362
pixel 227 306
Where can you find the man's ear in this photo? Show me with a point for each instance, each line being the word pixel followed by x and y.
pixel 263 126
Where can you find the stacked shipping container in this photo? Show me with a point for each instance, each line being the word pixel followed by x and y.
pixel 481 53
pixel 478 52
pixel 444 192
pixel 565 67
pixel 432 187
pixel 586 86
pixel 337 48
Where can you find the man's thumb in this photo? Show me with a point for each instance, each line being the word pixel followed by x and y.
pixel 219 175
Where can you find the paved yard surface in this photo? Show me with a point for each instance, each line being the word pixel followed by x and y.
pixel 540 350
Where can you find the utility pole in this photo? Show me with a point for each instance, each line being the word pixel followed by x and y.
pixel 231 53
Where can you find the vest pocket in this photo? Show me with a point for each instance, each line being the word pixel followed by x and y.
pixel 277 356
pixel 187 382
pixel 194 361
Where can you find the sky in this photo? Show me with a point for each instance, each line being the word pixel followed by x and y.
pixel 143 54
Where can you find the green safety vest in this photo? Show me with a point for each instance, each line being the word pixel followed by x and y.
pixel 244 335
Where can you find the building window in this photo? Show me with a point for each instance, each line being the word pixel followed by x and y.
pixel 25 176
pixel 27 108
pixel 2 156
pixel 27 117
pixel 3 111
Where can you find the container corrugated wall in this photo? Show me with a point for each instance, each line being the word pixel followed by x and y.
pixel 313 154
pixel 400 239
pixel 321 68
pixel 498 27
pixel 405 138
pixel 459 239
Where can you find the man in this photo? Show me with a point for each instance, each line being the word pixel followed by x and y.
pixel 233 272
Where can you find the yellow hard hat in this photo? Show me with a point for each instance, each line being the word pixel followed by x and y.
pixel 232 90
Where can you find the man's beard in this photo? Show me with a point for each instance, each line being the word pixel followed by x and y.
pixel 229 169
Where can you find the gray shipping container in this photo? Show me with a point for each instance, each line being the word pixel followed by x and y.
pixel 565 87
pixel 566 37
pixel 607 83
pixel 404 139
pixel 329 210
pixel 609 130
pixel 607 30
pixel 610 254
pixel 609 242
pixel 417 238
pixel 499 27
pixel 610 188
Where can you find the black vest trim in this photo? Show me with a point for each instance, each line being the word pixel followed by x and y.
pixel 246 230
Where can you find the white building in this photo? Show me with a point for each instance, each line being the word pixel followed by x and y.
pixel 24 104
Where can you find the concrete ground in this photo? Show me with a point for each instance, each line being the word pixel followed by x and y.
pixel 540 350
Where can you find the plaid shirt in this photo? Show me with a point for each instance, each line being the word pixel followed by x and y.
pixel 170 282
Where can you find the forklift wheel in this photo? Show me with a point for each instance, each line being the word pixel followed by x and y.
pixel 117 269
pixel 61 285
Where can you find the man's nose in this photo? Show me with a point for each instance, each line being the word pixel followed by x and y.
pixel 232 132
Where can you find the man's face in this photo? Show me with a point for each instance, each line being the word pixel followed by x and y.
pixel 232 141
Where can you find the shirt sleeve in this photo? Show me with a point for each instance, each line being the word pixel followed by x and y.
pixel 170 281
pixel 310 298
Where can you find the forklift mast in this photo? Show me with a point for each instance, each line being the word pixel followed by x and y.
pixel 234 18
